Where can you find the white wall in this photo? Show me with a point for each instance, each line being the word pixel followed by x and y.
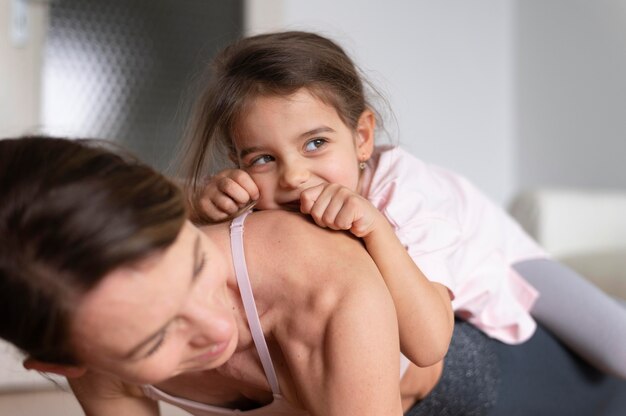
pixel 514 94
pixel 511 93
pixel 572 93
pixel 20 68
pixel 445 67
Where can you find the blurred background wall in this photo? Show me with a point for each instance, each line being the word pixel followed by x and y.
pixel 112 69
pixel 116 69
pixel 511 93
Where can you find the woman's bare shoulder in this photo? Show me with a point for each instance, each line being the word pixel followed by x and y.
pixel 302 264
pixel 284 228
pixel 333 299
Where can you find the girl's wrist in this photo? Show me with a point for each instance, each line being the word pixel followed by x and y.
pixel 380 229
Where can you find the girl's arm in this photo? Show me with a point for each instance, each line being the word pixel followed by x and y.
pixel 104 395
pixel 424 309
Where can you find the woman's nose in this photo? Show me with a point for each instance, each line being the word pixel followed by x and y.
pixel 210 326
pixel 293 175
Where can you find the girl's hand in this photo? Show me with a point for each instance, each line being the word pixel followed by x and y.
pixel 339 208
pixel 226 193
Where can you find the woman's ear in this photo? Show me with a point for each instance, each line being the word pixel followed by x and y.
pixel 365 135
pixel 68 371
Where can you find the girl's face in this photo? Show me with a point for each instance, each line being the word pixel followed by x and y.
pixel 288 144
pixel 168 315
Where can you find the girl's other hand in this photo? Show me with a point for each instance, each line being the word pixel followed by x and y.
pixel 339 208
pixel 226 193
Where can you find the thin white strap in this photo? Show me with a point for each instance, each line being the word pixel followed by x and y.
pixel 243 281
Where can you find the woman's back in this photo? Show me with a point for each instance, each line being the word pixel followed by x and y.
pixel 326 316
pixel 311 276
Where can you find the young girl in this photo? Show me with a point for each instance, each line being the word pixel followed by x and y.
pixel 289 110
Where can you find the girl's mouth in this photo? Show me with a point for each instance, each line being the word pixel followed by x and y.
pixel 293 206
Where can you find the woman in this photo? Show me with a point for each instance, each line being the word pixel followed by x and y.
pixel 106 282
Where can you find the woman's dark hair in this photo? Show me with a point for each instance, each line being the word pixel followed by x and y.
pixel 274 64
pixel 71 211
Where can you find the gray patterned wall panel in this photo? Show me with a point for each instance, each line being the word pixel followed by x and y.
pixel 121 69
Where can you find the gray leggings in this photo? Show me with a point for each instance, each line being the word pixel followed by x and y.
pixel 580 315
pixel 541 377
pixel 550 374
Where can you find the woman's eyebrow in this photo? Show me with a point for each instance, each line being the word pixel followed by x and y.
pixel 197 267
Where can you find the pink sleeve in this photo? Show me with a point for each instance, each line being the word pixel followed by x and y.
pixel 430 242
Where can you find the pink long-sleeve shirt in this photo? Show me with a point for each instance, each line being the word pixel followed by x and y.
pixel 459 238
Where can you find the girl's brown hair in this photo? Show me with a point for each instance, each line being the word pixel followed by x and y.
pixel 263 65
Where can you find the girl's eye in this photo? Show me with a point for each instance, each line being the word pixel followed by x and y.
pixel 314 144
pixel 261 160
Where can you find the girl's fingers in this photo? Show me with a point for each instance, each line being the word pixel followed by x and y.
pixel 308 198
pixel 328 204
pixel 333 206
pixel 224 204
pixel 233 190
pixel 247 183
pixel 347 215
pixel 212 212
pixel 339 213
pixel 323 196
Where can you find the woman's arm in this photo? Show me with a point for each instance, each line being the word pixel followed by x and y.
pixel 103 395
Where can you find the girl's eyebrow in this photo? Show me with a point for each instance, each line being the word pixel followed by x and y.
pixel 245 152
pixel 156 335
pixel 323 129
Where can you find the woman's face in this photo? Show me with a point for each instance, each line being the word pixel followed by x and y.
pixel 167 315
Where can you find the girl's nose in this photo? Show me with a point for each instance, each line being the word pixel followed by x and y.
pixel 294 175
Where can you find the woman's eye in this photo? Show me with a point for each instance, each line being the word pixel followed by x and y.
pixel 261 160
pixel 314 144
pixel 200 266
pixel 156 345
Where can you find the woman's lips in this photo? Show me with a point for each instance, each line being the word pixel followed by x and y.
pixel 214 351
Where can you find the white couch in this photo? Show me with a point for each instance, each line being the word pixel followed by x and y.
pixel 27 393
pixel 584 229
